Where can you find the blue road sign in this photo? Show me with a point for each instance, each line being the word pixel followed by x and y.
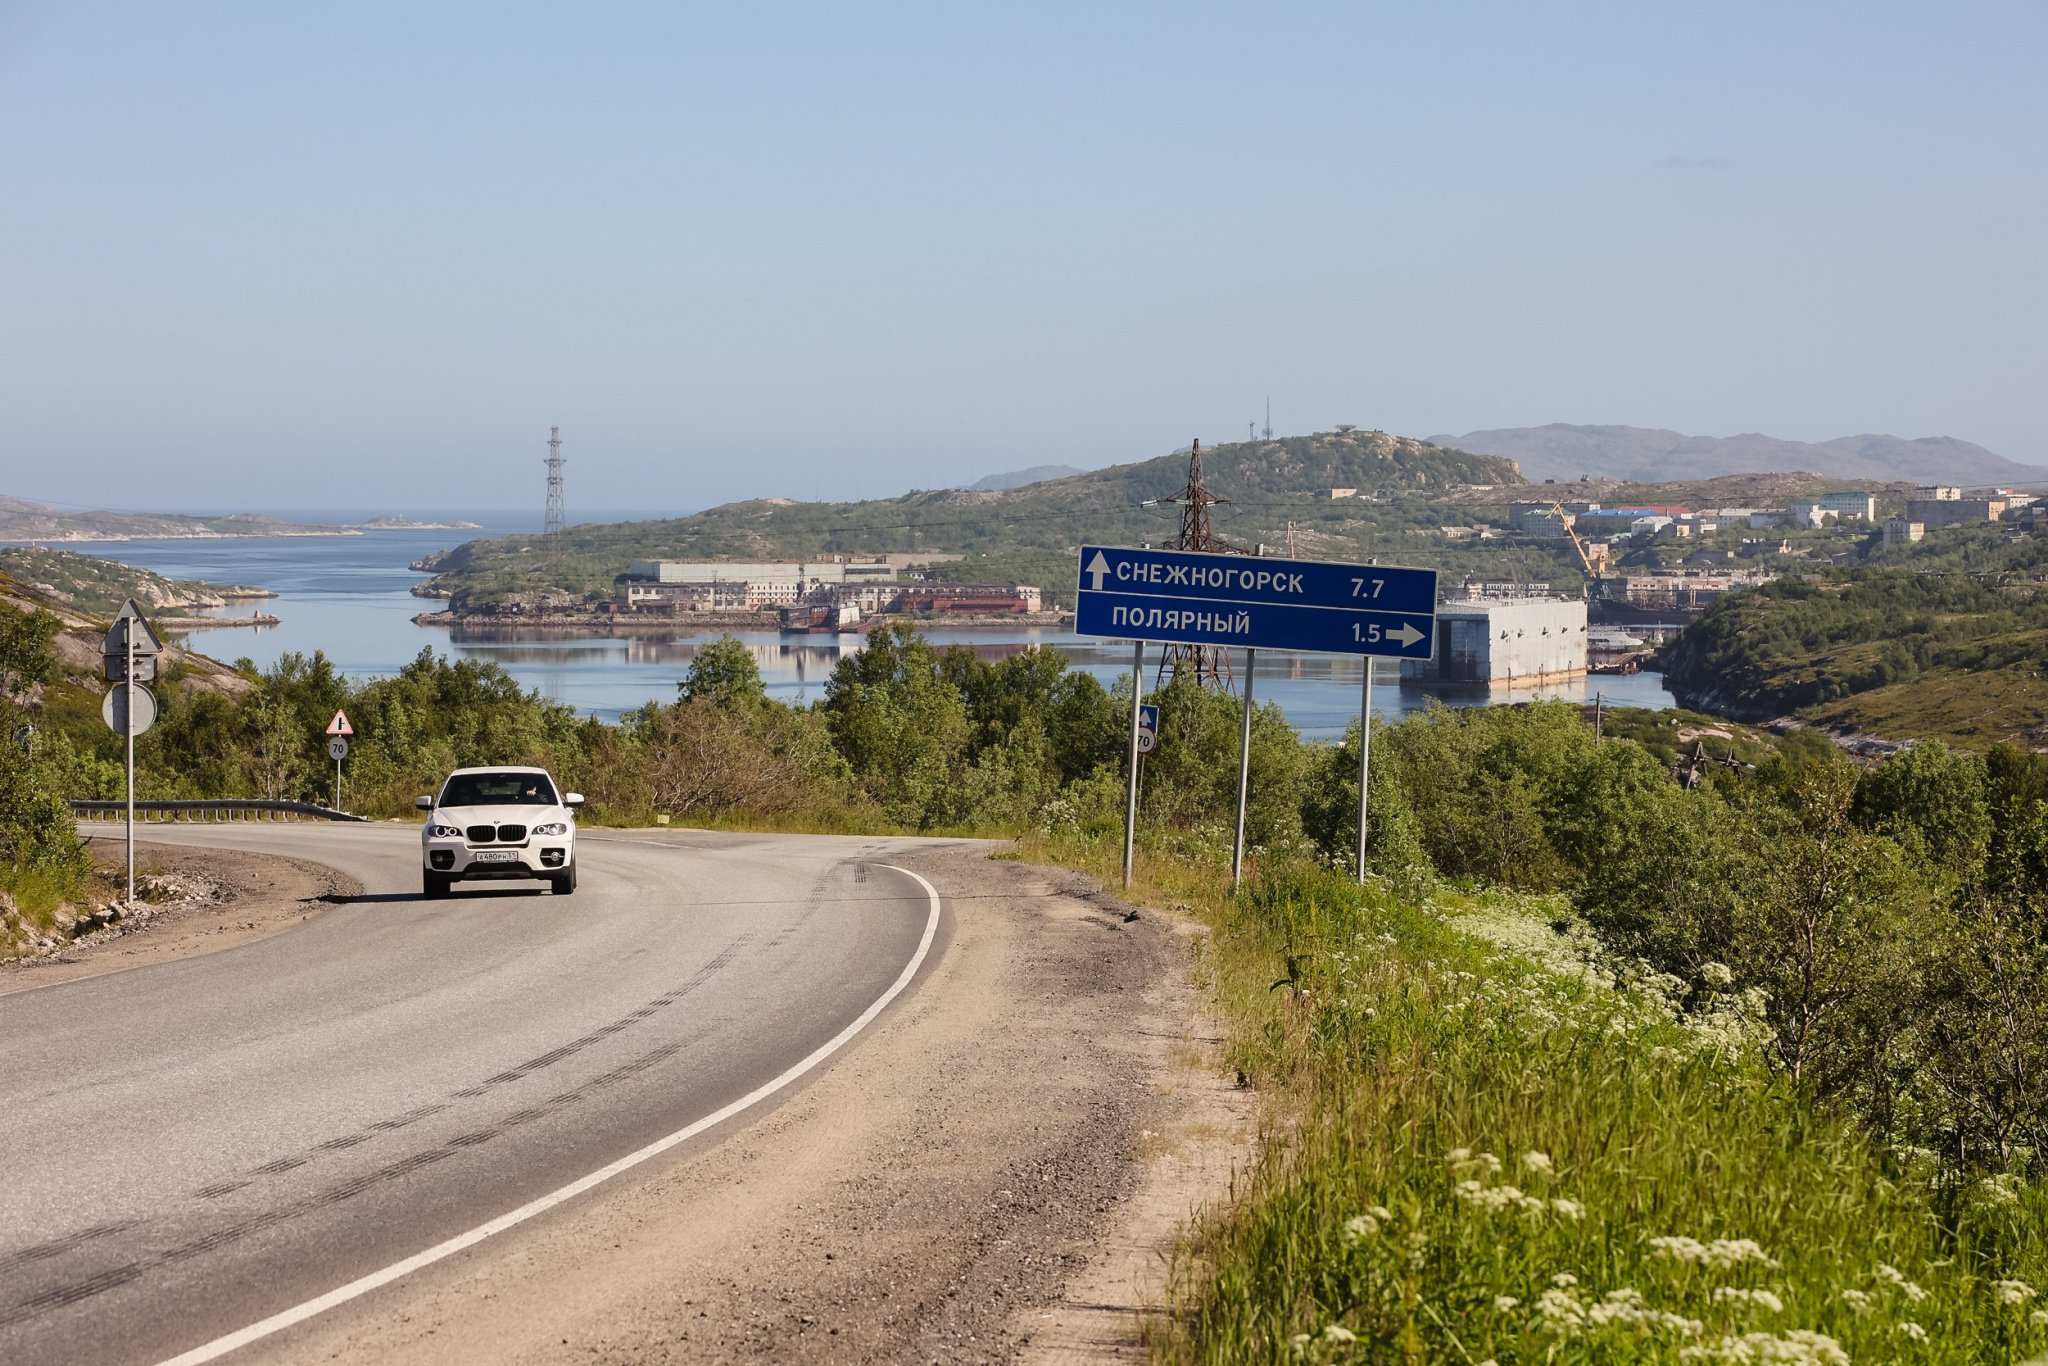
pixel 1148 728
pixel 1193 598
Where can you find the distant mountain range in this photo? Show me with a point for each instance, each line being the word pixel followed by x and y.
pixel 1017 479
pixel 1565 450
pixel 23 520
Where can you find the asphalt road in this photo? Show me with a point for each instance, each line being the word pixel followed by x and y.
pixel 194 1146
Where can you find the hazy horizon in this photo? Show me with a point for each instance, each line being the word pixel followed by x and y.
pixel 811 252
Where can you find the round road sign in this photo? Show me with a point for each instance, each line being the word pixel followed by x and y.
pixel 337 749
pixel 114 710
pixel 1148 740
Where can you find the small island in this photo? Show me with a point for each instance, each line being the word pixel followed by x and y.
pixel 396 523
pixel 23 520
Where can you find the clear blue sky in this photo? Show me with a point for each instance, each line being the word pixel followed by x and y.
pixel 262 254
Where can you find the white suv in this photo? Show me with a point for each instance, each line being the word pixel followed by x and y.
pixel 499 823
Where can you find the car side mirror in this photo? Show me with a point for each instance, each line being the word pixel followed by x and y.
pixel 572 799
pixel 423 803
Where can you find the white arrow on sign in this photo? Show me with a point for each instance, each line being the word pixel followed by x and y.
pixel 1406 634
pixel 1099 568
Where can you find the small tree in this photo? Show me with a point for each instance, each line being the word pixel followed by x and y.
pixel 724 674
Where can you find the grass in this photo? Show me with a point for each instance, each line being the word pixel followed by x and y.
pixel 1479 1148
pixel 1971 709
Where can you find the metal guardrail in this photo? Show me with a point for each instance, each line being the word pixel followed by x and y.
pixel 225 809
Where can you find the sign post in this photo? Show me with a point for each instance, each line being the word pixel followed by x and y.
pixel 338 731
pixel 129 654
pixel 1364 766
pixel 1188 597
pixel 1131 787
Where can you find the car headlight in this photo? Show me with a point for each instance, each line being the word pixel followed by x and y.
pixel 552 828
pixel 443 832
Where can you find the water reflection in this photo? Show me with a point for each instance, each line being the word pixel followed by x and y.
pixel 348 596
pixel 1319 693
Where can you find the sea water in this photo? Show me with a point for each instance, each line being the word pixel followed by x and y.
pixel 350 597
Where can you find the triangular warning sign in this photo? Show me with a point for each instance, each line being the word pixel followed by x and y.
pixel 130 620
pixel 339 725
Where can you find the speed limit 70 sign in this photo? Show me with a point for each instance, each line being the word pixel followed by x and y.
pixel 1148 728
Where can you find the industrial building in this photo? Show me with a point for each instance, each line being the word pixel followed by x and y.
pixel 969 599
pixel 1504 642
pixel 1851 505
pixel 742 586
pixel 1899 531
pixel 1938 512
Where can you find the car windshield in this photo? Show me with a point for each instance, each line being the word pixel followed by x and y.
pixel 498 789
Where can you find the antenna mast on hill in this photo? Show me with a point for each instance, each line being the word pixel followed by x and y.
pixel 1269 417
pixel 1207 663
pixel 558 516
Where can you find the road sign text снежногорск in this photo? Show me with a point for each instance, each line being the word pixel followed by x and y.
pixel 1198 598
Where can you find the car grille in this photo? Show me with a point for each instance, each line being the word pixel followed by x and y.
pixel 496 834
pixel 481 834
pixel 511 834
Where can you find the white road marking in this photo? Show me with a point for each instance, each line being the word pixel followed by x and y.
pixel 299 1313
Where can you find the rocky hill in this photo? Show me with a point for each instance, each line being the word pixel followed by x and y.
pixel 1017 479
pixel 1270 484
pixel 100 586
pixel 77 647
pixel 1563 451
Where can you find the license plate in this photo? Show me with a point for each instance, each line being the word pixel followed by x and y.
pixel 497 856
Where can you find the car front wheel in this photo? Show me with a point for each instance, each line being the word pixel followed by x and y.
pixel 435 885
pixel 564 882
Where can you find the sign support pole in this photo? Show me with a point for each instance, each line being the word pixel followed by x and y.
pixel 128 725
pixel 337 784
pixel 1244 770
pixel 1131 796
pixel 1364 765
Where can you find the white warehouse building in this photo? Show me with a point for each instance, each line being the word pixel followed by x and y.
pixel 1504 642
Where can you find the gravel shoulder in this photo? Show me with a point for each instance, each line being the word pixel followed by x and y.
pixel 994 1172
pixel 214 899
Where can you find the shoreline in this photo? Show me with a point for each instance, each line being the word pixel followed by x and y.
pixel 478 627
pixel 69 538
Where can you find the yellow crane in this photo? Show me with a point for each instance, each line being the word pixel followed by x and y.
pixel 1585 560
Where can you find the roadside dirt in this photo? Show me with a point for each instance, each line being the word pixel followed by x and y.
pixel 220 899
pixel 994 1172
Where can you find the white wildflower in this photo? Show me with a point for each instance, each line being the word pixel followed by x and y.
pixel 1913 1331
pixel 1801 1345
pixel 2013 1292
pixel 1721 1254
pixel 1358 1228
pixel 1897 1278
pixel 2039 1318
pixel 1537 1162
pixel 1762 1299
pixel 2001 1189
pixel 1338 1336
pixel 1379 1212
pixel 1717 975
pixel 1560 1312
pixel 1503 1303
pixel 1564 1280
pixel 1568 1209
pixel 1458 1156
pixel 1857 1301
